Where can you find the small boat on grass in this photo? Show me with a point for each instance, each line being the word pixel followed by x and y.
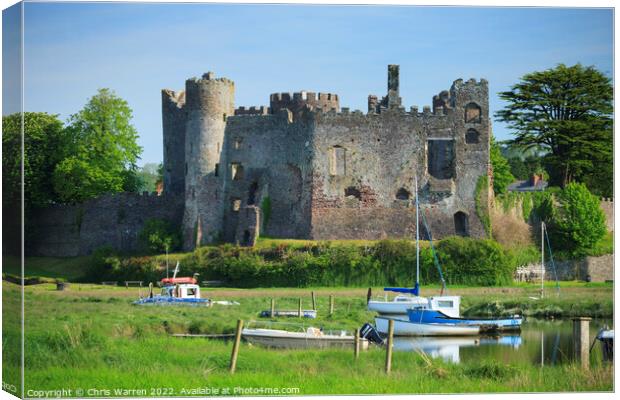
pixel 403 327
pixel 606 337
pixel 289 313
pixel 175 291
pixel 304 338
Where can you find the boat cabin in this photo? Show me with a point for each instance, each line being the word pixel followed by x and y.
pixel 182 291
pixel 449 305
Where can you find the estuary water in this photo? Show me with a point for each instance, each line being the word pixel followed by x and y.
pixel 540 342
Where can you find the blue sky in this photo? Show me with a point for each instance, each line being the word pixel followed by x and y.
pixel 71 50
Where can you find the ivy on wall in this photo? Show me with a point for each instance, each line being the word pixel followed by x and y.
pixel 482 209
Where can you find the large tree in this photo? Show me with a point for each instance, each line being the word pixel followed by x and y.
pixel 568 112
pixel 104 150
pixel 45 144
pixel 502 177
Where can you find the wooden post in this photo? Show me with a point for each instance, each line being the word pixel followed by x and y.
pixel 368 295
pixel 331 304
pixel 273 308
pixel 356 348
pixel 388 349
pixel 126 285
pixel 299 309
pixel 150 290
pixel 235 350
pixel 313 301
pixel 581 340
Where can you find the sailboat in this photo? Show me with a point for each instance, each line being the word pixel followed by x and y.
pixel 408 297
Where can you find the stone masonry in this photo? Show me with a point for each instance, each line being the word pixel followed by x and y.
pixel 308 168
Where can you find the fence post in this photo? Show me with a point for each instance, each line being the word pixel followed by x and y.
pixel 313 301
pixel 581 340
pixel 273 308
pixel 299 309
pixel 150 290
pixel 368 295
pixel 331 304
pixel 388 349
pixel 235 350
pixel 356 348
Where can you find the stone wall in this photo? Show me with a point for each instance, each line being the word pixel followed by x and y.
pixel 110 220
pixel 607 205
pixel 599 269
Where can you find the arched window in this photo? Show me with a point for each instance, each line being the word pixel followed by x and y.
pixel 252 194
pixel 472 136
pixel 461 224
pixel 403 194
pixel 473 113
pixel 351 191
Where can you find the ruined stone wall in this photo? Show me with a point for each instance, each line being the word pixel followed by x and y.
pixel 173 123
pixel 364 167
pixel 111 220
pixel 268 164
pixel 598 269
pixel 300 100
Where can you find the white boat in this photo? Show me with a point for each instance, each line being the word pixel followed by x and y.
pixel 408 328
pixel 310 338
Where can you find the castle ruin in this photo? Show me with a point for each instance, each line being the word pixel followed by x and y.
pixel 306 168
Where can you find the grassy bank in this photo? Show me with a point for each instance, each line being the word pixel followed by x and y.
pixel 91 336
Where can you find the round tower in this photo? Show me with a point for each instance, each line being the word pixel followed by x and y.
pixel 208 103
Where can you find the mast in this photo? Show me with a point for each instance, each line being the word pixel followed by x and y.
pixel 417 239
pixel 542 259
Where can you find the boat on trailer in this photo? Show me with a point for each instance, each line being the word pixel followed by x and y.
pixel 310 338
pixel 404 327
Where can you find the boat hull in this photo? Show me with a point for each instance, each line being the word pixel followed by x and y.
pixel 298 340
pixel 486 324
pixel 408 328
pixel 165 301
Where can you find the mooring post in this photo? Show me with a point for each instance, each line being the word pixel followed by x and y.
pixel 235 350
pixel 388 349
pixel 150 290
pixel 581 340
pixel 331 304
pixel 368 295
pixel 299 309
pixel 313 301
pixel 356 341
pixel 273 308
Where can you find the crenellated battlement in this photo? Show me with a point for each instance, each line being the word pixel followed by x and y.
pixel 471 82
pixel 209 77
pixel 297 101
pixel 261 110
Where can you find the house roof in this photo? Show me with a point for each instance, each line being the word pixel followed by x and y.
pixel 526 186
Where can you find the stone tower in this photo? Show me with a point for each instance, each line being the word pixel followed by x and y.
pixel 173 123
pixel 209 102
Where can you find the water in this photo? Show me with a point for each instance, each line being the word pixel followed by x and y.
pixel 539 343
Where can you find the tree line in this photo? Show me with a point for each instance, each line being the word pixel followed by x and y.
pixel 95 152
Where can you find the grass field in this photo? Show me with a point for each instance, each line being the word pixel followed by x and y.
pixel 91 336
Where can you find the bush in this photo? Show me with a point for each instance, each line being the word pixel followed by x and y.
pixel 578 223
pixel 159 236
pixel 475 262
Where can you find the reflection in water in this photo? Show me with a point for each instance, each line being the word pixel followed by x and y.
pixel 540 343
pixel 448 348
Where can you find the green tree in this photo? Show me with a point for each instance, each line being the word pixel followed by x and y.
pixel 501 169
pixel 160 236
pixel 45 145
pixel 577 223
pixel 104 150
pixel 149 176
pixel 568 112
